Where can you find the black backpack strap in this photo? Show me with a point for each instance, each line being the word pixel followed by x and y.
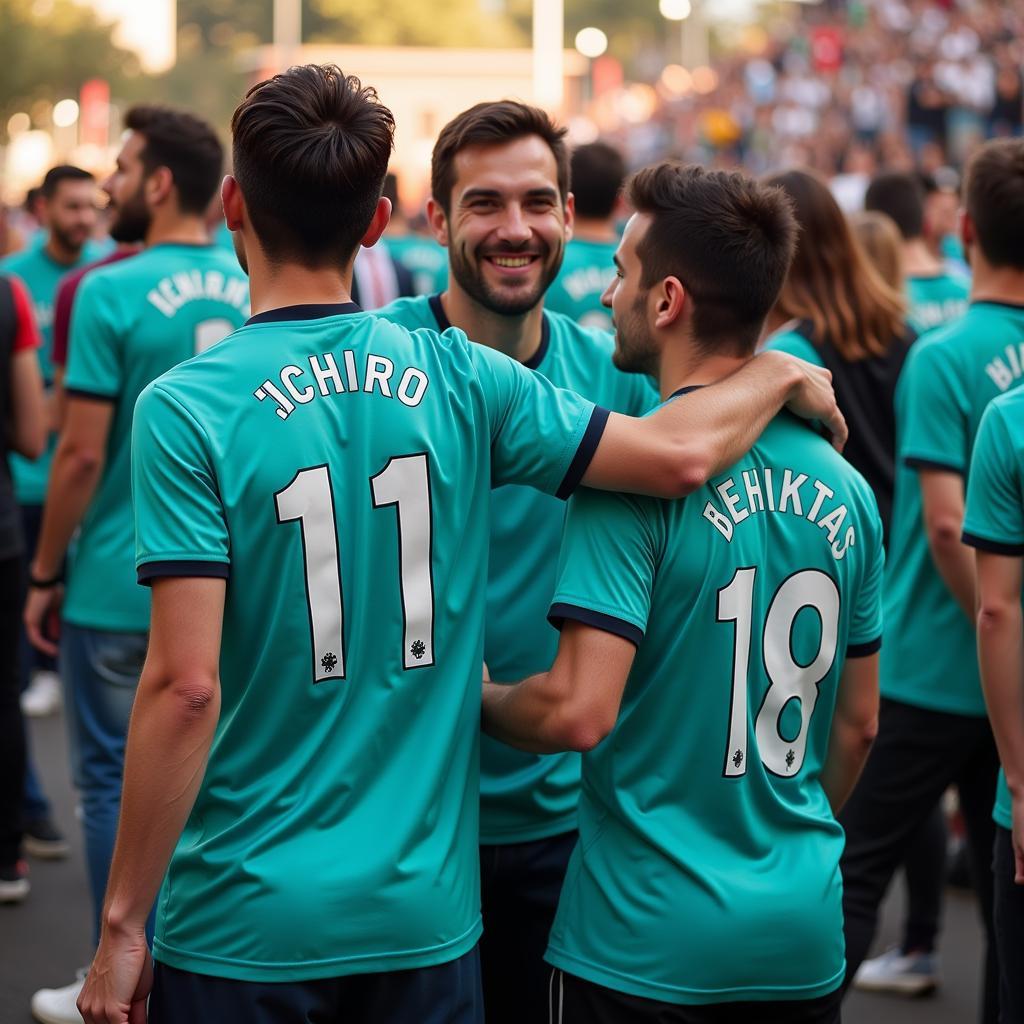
pixel 8 318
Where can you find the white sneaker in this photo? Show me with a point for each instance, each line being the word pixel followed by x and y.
pixel 57 1005
pixel 43 696
pixel 907 974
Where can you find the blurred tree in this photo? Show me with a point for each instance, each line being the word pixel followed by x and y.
pixel 48 48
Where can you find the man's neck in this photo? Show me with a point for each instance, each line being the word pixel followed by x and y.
pixel 594 230
pixel 918 261
pixel 516 336
pixel 61 253
pixel 681 368
pixel 274 287
pixel 167 229
pixel 996 284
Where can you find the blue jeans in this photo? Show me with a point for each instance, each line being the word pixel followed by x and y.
pixel 100 671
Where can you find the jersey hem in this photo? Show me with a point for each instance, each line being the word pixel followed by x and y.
pixel 864 650
pixel 584 452
pixel 995 547
pixel 563 826
pixel 561 611
pixel 680 996
pixel 181 567
pixel 94 396
pixel 119 626
pixel 914 462
pixel 375 963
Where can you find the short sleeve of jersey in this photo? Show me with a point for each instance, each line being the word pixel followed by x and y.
pixel 865 637
pixel 994 519
pixel 94 363
pixel 26 331
pixel 933 428
pixel 606 571
pixel 541 435
pixel 180 529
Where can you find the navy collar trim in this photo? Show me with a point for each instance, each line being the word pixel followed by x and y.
pixel 437 308
pixel 685 391
pixel 306 311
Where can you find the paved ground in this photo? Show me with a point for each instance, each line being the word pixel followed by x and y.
pixel 45 939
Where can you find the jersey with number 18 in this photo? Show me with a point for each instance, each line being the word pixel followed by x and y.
pixel 708 864
pixel 337 469
pixel 130 322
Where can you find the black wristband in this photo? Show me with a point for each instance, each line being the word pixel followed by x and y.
pixel 53 581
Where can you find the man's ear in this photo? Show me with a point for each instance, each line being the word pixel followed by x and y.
pixel 967 234
pixel 570 216
pixel 671 302
pixel 233 203
pixel 438 221
pixel 381 216
pixel 158 186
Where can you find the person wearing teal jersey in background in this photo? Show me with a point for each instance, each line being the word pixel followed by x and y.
pixel 528 803
pixel 933 731
pixel 130 322
pixel 994 526
pixel 321 483
pixel 420 255
pixel 69 206
pixel 703 665
pixel 597 173
pixel 937 295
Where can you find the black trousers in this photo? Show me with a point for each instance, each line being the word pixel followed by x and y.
pixel 571 1000
pixel 1009 922
pixel 917 755
pixel 519 887
pixel 925 870
pixel 445 994
pixel 12 730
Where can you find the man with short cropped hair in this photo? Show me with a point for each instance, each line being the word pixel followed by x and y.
pixel 130 322
pixel 311 506
pixel 598 171
pixel 717 663
pixel 936 295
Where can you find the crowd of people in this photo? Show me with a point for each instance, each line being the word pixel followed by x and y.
pixel 366 722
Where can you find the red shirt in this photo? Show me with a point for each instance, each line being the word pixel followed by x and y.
pixel 65 299
pixel 26 333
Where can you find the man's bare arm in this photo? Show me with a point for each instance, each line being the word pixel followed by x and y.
pixel 1001 658
pixel 28 422
pixel 942 498
pixel 680 447
pixel 172 727
pixel 854 726
pixel 574 705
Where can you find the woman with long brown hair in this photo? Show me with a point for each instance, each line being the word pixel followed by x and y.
pixel 837 311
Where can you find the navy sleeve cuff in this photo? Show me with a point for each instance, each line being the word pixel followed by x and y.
pixel 584 453
pixel 864 650
pixel 94 396
pixel 992 546
pixel 149 571
pixel 558 613
pixel 942 467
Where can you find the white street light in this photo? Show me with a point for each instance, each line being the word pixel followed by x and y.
pixel 591 42
pixel 675 10
pixel 65 113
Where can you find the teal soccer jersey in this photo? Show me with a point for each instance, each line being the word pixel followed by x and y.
pixel 995 507
pixel 523 796
pixel 708 863
pixel 587 270
pixel 936 300
pixel 795 344
pixel 337 468
pixel 425 260
pixel 130 322
pixel 41 275
pixel 930 657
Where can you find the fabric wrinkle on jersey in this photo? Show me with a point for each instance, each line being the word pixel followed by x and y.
pixel 335 831
pixel 525 797
pixel 685 821
pixel 949 378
